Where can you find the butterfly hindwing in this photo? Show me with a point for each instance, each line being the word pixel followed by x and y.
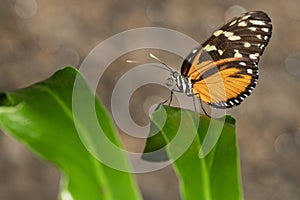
pixel 227 84
pixel 224 69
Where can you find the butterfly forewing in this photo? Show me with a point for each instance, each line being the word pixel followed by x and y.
pixel 246 35
pixel 224 69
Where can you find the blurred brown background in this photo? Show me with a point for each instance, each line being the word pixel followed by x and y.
pixel 37 37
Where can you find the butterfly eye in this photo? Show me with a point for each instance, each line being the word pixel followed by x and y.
pixel 175 74
pixel 169 82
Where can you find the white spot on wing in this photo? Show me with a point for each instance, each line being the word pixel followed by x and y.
pixel 257 22
pixel 254 56
pixel 218 32
pixel 234 38
pixel 233 22
pixel 243 63
pixel 210 48
pixel 259 37
pixel 228 34
pixel 252 28
pixel 265 30
pixel 194 51
pixel 237 54
pixel 242 24
pixel 257 44
pixel 245 17
pixel 249 71
pixel 266 37
pixel 220 52
pixel 247 44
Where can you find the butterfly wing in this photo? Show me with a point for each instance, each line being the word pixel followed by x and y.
pixel 227 83
pixel 224 69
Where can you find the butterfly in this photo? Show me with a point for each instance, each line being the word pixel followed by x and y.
pixel 223 71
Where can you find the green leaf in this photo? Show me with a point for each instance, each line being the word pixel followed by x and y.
pixel 41 117
pixel 204 152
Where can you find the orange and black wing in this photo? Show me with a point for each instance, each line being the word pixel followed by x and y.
pixel 224 69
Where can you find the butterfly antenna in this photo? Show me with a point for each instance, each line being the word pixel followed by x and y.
pixel 132 61
pixel 161 62
pixel 202 107
pixel 139 62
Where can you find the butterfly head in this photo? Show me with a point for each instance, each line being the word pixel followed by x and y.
pixel 173 79
pixel 175 75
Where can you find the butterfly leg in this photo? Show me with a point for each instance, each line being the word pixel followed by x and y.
pixel 170 98
pixel 194 101
pixel 201 103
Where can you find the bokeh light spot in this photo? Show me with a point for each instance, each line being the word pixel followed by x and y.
pixel 234 11
pixel 293 9
pixel 155 12
pixel 292 64
pixel 267 173
pixel 285 145
pixel 26 8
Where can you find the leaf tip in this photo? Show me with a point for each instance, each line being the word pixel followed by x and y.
pixel 230 120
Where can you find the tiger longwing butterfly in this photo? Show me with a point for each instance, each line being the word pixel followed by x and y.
pixel 223 71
